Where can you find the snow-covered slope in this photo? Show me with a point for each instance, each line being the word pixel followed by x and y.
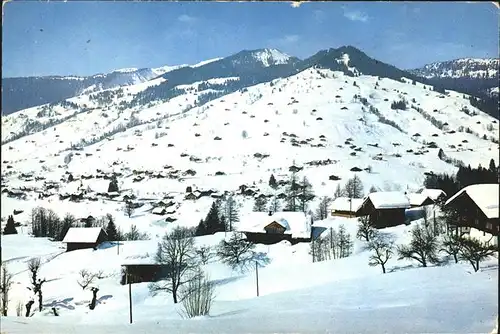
pixel 340 295
pixel 327 122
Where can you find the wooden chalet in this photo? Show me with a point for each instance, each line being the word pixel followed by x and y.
pixel 345 206
pixel 477 207
pixel 385 209
pixel 270 228
pixel 84 237
pixel 190 196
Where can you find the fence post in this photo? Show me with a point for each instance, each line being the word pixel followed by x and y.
pixel 312 241
pixel 129 295
pixel 257 276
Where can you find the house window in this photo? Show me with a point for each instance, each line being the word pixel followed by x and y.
pixel 489 226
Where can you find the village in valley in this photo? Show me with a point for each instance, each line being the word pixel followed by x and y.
pixel 253 193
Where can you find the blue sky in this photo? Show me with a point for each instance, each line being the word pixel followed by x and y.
pixel 84 38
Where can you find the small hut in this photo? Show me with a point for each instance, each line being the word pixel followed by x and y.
pixel 84 237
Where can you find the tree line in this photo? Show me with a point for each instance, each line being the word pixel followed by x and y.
pixel 464 177
pixel 46 223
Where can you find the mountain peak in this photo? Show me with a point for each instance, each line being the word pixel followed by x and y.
pixel 267 56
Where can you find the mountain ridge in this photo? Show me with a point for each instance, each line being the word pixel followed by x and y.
pixel 251 66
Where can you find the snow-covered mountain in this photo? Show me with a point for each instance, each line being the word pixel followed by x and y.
pixel 474 76
pixel 478 68
pixel 25 92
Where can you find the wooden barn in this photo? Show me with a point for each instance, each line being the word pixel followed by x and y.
pixel 477 207
pixel 385 209
pixel 345 206
pixel 84 237
pixel 270 228
pixel 143 272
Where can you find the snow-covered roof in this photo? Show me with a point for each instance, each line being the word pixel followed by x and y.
pixel 295 223
pixel 343 204
pixel 484 195
pixel 417 199
pixel 158 210
pixel 432 193
pixel 389 200
pixel 82 234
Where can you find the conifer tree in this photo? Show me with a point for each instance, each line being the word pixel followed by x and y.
pixel 272 182
pixel 10 227
pixel 111 229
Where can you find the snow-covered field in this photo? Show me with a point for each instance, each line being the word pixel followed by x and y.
pixel 296 295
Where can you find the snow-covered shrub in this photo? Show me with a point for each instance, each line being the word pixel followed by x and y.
pixel 197 297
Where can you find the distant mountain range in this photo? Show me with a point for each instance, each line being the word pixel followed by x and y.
pixel 477 77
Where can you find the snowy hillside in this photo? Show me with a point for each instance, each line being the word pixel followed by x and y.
pixel 338 294
pixel 327 122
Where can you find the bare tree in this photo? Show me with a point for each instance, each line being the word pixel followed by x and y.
pixel 344 243
pixel 452 244
pixel 85 278
pixel 19 308
pixel 5 285
pixel 354 188
pixel 177 251
pixel 231 212
pixel 366 230
pixel 204 253
pixel 293 192
pixel 339 192
pixel 134 234
pixel 305 195
pixel 94 297
pixel 237 252
pixel 197 296
pixel 128 208
pixel 34 266
pixel 423 247
pixel 475 251
pixel 382 247
pixel 29 304
pixel 323 208
pixel 320 249
pixel 275 205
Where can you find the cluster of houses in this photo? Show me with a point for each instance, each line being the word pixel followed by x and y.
pixel 477 205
